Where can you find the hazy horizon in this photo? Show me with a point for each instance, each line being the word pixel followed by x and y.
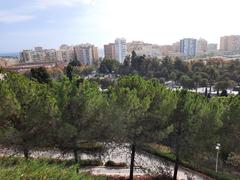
pixel 50 23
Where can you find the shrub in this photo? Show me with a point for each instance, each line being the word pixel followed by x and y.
pixel 90 147
pixel 114 164
pixel 234 160
pixel 9 162
pixel 90 162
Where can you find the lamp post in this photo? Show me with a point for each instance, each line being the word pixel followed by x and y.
pixel 217 148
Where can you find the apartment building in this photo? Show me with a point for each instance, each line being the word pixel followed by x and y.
pixel 87 54
pixel 188 47
pixel 40 55
pixel 140 48
pixel 202 46
pixel 109 51
pixel 67 53
pixel 120 49
pixel 212 47
pixel 230 43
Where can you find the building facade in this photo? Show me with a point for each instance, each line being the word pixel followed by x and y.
pixel 202 46
pixel 67 53
pixel 86 54
pixel 140 48
pixel 120 49
pixel 26 56
pixel 40 55
pixel 109 51
pixel 188 47
pixel 230 43
pixel 212 47
pixel 176 47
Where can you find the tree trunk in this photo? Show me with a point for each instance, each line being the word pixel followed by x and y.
pixel 206 93
pixel 132 161
pixel 75 152
pixel 26 153
pixel 217 92
pixel 176 162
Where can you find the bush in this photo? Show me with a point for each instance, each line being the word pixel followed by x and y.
pixel 114 164
pixel 90 162
pixel 65 163
pixel 9 162
pixel 171 157
pixel 234 160
pixel 90 147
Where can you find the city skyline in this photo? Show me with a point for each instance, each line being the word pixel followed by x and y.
pixel 26 24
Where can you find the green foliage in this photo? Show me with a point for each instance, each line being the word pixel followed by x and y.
pixel 69 72
pixel 189 164
pixel 223 85
pixel 186 82
pixel 36 116
pixel 17 168
pixel 75 63
pixel 90 162
pixel 68 113
pixel 133 97
pixel 114 164
pixel 9 106
pixel 189 74
pixel 40 75
pixel 109 66
pixel 231 126
pixel 234 160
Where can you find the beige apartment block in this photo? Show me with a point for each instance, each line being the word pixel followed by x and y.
pixel 230 43
pixel 109 51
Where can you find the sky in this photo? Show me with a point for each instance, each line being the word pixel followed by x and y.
pixel 25 24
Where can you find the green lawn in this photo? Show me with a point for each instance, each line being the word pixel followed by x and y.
pixel 42 169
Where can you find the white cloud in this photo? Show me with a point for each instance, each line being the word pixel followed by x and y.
pixel 69 3
pixel 26 13
pixel 11 17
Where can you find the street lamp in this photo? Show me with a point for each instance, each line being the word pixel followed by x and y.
pixel 217 148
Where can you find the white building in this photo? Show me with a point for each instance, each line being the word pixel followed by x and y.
pixel 140 48
pixel 26 56
pixel 52 55
pixel 67 53
pixel 40 55
pixel 87 54
pixel 120 49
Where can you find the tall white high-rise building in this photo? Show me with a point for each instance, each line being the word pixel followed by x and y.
pixel 120 49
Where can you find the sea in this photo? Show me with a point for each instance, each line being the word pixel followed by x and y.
pixel 11 54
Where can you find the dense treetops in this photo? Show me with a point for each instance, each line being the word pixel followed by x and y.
pixel 65 113
pixel 189 74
